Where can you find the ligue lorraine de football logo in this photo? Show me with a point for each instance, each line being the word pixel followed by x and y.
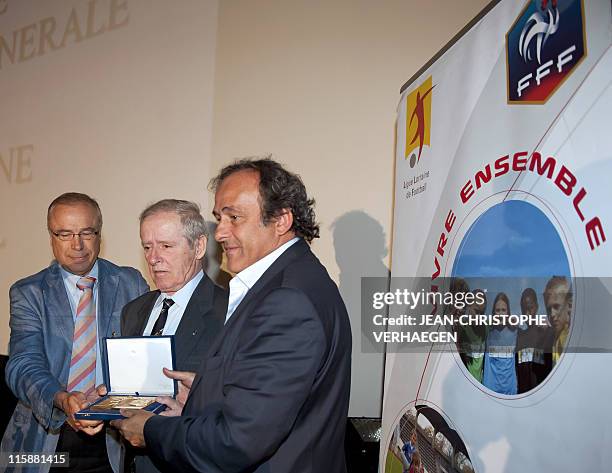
pixel 543 46
pixel 418 121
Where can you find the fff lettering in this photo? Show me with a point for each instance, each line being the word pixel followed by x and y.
pixel 542 71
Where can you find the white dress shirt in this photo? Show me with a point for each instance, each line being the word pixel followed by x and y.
pixel 243 281
pixel 175 313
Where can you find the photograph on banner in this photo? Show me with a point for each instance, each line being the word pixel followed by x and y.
pixel 515 246
pixel 424 440
pixel 488 318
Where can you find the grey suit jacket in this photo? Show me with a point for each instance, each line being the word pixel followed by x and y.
pixel 201 322
pixel 40 349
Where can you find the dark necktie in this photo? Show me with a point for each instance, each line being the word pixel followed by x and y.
pixel 158 328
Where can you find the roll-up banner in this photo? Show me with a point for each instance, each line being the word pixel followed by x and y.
pixel 497 324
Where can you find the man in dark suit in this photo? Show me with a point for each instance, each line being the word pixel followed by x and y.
pixel 272 394
pixel 58 317
pixel 186 304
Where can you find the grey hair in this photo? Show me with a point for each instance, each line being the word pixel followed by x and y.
pixel 194 225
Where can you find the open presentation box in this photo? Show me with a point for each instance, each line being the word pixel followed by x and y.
pixel 133 376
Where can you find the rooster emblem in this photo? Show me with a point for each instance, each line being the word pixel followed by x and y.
pixel 538 28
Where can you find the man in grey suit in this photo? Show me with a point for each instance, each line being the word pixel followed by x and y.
pixel 272 394
pixel 51 369
pixel 186 304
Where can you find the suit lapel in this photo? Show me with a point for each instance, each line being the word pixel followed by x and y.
pixel 192 323
pixel 293 252
pixel 107 293
pixel 143 314
pixel 58 306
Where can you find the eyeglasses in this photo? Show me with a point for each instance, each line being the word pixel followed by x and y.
pixel 84 235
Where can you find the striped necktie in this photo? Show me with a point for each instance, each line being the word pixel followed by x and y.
pixel 160 323
pixel 83 362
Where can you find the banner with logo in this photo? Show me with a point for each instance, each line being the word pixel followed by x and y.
pixel 503 191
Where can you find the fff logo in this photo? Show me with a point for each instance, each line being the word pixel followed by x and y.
pixel 543 47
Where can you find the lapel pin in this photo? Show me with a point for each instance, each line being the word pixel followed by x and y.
pixel 194 332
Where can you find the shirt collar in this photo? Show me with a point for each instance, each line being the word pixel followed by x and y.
pixel 250 275
pixel 183 295
pixel 74 278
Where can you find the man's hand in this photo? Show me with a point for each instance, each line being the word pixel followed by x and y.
pixel 73 402
pixel 99 392
pixel 175 406
pixel 185 379
pixel 132 428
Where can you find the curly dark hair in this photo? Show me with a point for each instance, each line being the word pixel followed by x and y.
pixel 279 189
pixel 528 293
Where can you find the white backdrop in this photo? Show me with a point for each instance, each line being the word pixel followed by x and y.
pixel 108 97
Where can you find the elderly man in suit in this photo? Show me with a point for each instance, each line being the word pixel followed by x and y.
pixel 58 318
pixel 272 393
pixel 186 304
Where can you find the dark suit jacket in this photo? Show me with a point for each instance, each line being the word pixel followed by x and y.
pixel 203 318
pixel 272 394
pixel 201 322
